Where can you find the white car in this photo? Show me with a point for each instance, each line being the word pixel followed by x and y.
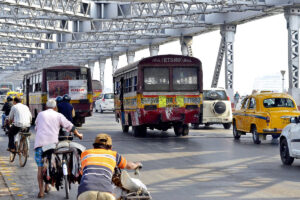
pixel 105 103
pixel 216 108
pixel 290 142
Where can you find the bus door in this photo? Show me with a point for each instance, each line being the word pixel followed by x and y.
pixel 27 91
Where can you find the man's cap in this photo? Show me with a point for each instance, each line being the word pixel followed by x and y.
pixel 104 139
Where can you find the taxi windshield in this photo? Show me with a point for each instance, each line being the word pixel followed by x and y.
pixel 278 102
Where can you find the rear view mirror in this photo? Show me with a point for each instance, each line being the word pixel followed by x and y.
pixel 294 120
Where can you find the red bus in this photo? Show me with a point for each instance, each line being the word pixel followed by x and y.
pixel 159 92
pixel 51 82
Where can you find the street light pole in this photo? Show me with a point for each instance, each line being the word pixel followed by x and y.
pixel 282 73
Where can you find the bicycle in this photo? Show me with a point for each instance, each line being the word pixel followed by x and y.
pixel 22 147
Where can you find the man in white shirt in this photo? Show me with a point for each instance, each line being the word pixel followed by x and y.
pixel 20 117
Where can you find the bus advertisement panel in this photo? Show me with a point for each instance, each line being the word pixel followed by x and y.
pixel 77 89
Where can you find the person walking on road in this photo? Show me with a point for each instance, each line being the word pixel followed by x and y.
pixel 98 165
pixel 20 117
pixel 47 126
pixel 236 98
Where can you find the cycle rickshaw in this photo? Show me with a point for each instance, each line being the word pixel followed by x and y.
pixel 62 163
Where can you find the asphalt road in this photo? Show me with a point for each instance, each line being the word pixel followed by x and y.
pixel 208 164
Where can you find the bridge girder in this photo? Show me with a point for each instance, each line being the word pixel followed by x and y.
pixel 42 30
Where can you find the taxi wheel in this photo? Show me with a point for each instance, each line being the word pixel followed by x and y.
pixel 284 153
pixel 236 133
pixel 255 136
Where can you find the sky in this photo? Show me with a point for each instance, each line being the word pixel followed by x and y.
pixel 260 50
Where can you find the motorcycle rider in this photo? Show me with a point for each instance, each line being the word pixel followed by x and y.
pixel 58 100
pixel 66 108
pixel 6 109
pixel 98 165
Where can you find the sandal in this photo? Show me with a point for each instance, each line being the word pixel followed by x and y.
pixel 47 189
pixel 40 196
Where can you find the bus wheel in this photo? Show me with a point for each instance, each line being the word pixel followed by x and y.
pixel 125 128
pixel 178 129
pixel 139 131
pixel 185 130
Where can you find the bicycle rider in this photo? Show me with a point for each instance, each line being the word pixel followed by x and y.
pixel 98 165
pixel 47 128
pixel 20 117
pixel 6 109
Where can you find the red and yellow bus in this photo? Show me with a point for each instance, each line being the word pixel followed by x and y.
pixel 159 92
pixel 57 81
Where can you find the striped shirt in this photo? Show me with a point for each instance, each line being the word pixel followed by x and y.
pixel 98 166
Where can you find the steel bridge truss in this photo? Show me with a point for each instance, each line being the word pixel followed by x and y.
pixel 42 33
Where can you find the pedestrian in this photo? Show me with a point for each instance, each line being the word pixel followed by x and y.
pixel 236 98
pixel 47 126
pixel 20 117
pixel 98 166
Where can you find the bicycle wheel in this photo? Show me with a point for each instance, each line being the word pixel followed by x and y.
pixel 67 186
pixel 23 151
pixel 13 155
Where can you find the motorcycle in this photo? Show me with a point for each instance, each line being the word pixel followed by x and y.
pixel 127 188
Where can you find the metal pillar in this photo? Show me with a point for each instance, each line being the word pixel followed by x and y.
pixel 219 61
pixel 154 49
pixel 101 70
pixel 91 65
pixel 130 56
pixel 229 33
pixel 292 16
pixel 115 62
pixel 186 45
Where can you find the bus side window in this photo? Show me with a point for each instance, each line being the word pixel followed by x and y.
pixel 30 84
pixel 134 83
pixel 126 85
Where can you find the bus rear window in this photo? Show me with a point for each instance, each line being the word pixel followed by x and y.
pixel 185 79
pixel 67 75
pixel 156 79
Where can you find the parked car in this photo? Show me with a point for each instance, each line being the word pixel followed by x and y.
pixel 263 114
pixel 216 108
pixel 105 103
pixel 290 142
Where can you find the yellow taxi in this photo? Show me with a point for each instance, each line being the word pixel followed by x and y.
pixel 262 114
pixel 14 94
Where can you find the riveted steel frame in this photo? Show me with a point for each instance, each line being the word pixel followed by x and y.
pixel 43 32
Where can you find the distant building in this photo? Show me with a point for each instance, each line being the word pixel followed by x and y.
pixel 269 82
